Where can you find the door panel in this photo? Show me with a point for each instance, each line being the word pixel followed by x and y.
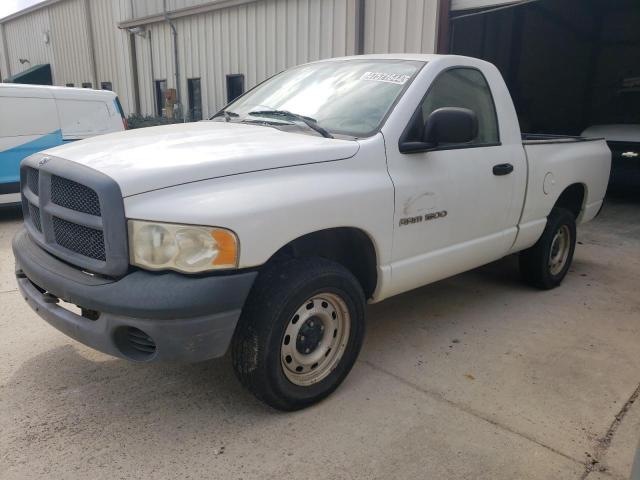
pixel 454 209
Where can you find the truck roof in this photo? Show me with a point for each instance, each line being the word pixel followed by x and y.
pixel 421 57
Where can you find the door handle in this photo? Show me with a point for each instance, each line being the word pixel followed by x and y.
pixel 503 169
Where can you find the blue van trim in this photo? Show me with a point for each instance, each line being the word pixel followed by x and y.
pixel 10 159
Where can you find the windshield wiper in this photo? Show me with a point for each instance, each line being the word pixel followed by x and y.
pixel 308 121
pixel 228 115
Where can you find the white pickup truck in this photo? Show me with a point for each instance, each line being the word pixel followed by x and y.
pixel 269 227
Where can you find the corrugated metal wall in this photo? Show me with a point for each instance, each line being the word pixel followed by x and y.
pixel 113 48
pixel 393 26
pixel 257 39
pixel 4 66
pixel 26 39
pixel 146 8
pixel 70 42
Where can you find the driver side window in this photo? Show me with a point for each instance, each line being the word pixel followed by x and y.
pixel 464 88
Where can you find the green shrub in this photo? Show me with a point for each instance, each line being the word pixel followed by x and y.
pixel 142 121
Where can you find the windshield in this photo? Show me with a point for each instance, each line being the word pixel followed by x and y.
pixel 343 97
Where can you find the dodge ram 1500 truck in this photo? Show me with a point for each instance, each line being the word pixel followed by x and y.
pixel 269 227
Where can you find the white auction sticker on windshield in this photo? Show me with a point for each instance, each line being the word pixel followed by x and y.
pixel 396 78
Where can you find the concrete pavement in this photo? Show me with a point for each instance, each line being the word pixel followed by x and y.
pixel 475 377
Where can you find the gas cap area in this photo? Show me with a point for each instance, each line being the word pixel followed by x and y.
pixel 549 184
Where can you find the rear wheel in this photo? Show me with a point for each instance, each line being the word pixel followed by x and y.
pixel 300 332
pixel 546 263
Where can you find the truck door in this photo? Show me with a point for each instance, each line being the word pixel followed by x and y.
pixel 453 203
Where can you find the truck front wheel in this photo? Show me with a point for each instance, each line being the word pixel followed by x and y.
pixel 546 263
pixel 300 332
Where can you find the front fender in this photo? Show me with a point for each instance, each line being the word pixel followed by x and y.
pixel 269 209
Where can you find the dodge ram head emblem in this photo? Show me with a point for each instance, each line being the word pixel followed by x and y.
pixel 43 161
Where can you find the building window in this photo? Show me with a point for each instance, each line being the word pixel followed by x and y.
pixel 106 86
pixel 87 85
pixel 195 99
pixel 161 88
pixel 235 86
pixel 70 85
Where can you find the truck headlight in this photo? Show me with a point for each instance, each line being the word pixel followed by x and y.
pixel 184 248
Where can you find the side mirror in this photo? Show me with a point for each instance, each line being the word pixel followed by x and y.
pixel 445 125
pixel 451 125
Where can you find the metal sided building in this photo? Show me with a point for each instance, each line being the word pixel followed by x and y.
pixel 575 58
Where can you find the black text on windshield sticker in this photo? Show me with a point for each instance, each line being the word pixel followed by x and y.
pixel 396 78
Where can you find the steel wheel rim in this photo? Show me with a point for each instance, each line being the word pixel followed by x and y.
pixel 560 246
pixel 304 363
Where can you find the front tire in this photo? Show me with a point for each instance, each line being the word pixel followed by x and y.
pixel 545 265
pixel 300 332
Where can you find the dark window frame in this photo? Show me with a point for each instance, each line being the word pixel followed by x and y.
pixel 230 78
pixel 110 86
pixel 87 85
pixel 159 95
pixel 191 100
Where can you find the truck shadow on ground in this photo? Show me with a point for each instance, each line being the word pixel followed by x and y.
pixel 72 378
pixel 71 382
pixel 10 214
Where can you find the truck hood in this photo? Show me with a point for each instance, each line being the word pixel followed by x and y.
pixel 158 157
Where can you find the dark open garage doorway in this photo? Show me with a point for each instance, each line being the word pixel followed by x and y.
pixel 569 64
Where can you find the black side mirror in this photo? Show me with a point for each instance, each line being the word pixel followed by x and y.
pixel 445 125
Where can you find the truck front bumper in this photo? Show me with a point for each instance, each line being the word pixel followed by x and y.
pixel 142 316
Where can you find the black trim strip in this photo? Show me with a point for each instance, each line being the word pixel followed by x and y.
pixel 7 188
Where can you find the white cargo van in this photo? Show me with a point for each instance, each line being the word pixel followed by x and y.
pixel 34 118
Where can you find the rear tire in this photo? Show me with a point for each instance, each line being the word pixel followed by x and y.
pixel 300 332
pixel 545 265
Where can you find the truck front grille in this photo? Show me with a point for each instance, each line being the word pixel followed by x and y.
pixel 74 196
pixel 78 238
pixel 75 213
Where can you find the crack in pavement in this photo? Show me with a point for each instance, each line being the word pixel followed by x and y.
pixel 603 443
pixel 439 397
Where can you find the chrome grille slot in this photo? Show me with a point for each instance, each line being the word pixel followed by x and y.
pixel 34 215
pixel 78 238
pixel 74 196
pixel 33 177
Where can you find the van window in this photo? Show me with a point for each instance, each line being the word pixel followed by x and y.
pixel 80 119
pixel 29 116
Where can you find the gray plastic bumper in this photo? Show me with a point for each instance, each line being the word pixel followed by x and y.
pixel 143 316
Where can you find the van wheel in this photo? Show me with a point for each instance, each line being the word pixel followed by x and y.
pixel 546 263
pixel 299 333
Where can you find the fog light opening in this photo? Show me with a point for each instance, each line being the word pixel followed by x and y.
pixel 135 344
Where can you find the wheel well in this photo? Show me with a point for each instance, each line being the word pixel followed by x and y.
pixel 351 247
pixel 572 199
